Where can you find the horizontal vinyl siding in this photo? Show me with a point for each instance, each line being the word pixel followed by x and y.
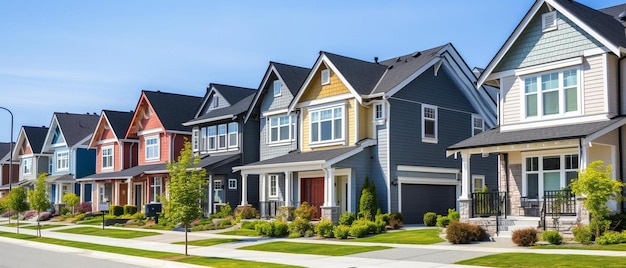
pixel 612 87
pixel 360 165
pixel 511 87
pixel 595 93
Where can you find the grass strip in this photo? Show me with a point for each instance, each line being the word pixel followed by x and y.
pixel 615 247
pixel 113 233
pixel 204 261
pixel 208 242
pixel 43 226
pixel 241 232
pixel 420 237
pixel 313 248
pixel 14 224
pixel 545 260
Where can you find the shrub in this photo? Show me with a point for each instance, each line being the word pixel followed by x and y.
pixel 611 237
pixel 280 229
pixel 430 218
pixel 64 211
pixel 7 214
pixel 44 216
pixel 249 224
pixel 582 234
pixel 130 210
pixel 264 228
pixel 85 207
pixel 367 203
pixel 116 210
pixel 29 214
pixel 463 233
pixel 79 217
pixel 601 226
pixel 381 225
pixel 554 237
pixel 346 218
pixel 138 216
pixel 299 226
pixel 477 233
pixel 442 221
pixel 453 215
pixel 305 211
pixel 226 210
pixel 395 220
pixel 525 237
pixel 359 229
pixel 246 212
pixel 341 231
pixel 324 228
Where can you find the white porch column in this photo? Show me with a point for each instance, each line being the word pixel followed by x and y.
pixel 59 191
pixel 329 188
pixel 129 193
pixel 466 177
pixel 116 192
pixel 210 191
pixel 262 187
pixel 584 156
pixel 82 192
pixel 244 189
pixel 288 188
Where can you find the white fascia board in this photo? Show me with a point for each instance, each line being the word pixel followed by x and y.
pixel 342 157
pixel 549 66
pixel 261 89
pixel 210 119
pixel 179 132
pixel 149 131
pixel 604 131
pixel 280 167
pixel 47 146
pixel 428 169
pixel 412 77
pixel 21 138
pixel 205 100
pixel 275 112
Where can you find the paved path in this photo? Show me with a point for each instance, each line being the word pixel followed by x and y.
pixel 400 255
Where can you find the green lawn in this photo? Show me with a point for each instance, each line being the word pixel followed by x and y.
pixel 313 248
pixel 208 242
pixel 14 224
pixel 92 221
pixel 43 226
pixel 114 233
pixel 419 236
pixel 545 260
pixel 241 232
pixel 204 261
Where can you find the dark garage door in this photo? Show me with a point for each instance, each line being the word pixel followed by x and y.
pixel 418 199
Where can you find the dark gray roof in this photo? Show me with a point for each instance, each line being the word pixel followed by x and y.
pixel 293 76
pixel 232 94
pixel 21 183
pixel 5 148
pixel 76 127
pixel 297 156
pixel 495 137
pixel 235 109
pixel 126 173
pixel 213 161
pixel 173 109
pixel 60 178
pixel 362 75
pixel 36 137
pixel 120 121
pixel 604 22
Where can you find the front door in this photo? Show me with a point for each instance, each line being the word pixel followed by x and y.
pixel 123 199
pixel 341 193
pixel 312 190
pixel 219 195
pixel 138 196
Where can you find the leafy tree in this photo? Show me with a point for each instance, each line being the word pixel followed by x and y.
pixel 17 203
pixel 596 184
pixel 187 186
pixel 38 198
pixel 367 203
pixel 71 200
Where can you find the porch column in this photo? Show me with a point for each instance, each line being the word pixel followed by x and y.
pixel 331 188
pixel 244 189
pixel 330 210
pixel 465 200
pixel 116 192
pixel 262 196
pixel 129 193
pixel 288 188
pixel 210 190
pixel 59 191
pixel 82 192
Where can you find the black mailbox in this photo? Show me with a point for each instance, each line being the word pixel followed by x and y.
pixel 152 209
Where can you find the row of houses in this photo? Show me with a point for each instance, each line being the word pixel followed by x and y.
pixel 424 127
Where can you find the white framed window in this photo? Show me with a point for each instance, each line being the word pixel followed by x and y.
pixel 212 138
pixel 327 124
pixel 551 94
pixel 429 123
pixel 233 135
pixel 155 189
pixel 232 184
pixel 273 185
pixel 277 88
pixel 325 77
pixel 63 160
pixel 27 166
pixel 107 157
pixel 548 172
pixel 478 124
pixel 152 148
pixel 379 111
pixel 280 128
pixel 549 21
pixel 478 183
pixel 221 136
pixel 195 137
pixel 216 101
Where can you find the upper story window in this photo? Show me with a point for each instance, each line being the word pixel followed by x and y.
pixel 277 88
pixel 551 94
pixel 478 124
pixel 216 101
pixel 327 124
pixel 152 148
pixel 212 138
pixel 233 135
pixel 379 111
pixel 221 137
pixel 195 144
pixel 429 123
pixel 63 160
pixel 27 166
pixel 107 157
pixel 549 21
pixel 325 76
pixel 281 129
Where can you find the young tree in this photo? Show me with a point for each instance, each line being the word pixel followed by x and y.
pixel 71 200
pixel 367 203
pixel 596 184
pixel 38 198
pixel 17 203
pixel 187 187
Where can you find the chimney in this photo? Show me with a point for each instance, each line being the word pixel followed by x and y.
pixel 376 60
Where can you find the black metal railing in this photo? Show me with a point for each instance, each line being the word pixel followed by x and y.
pixel 561 202
pixel 488 204
pixel 269 209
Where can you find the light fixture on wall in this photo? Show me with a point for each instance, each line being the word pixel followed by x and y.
pixel 394 182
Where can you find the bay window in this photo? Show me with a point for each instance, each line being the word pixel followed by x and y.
pixel 327 124
pixel 551 93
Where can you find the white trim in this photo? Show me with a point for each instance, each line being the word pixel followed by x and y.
pixel 560 89
pixel 540 179
pixel 332 140
pixel 158 148
pixel 274 112
pixel 605 80
pixel 595 51
pixel 280 88
pixel 326 100
pixel 208 120
pixel 554 23
pixel 277 188
pixel 477 176
pixel 356 122
pixel 102 167
pixel 428 169
pixel 412 77
pixel 101 142
pixel 429 181
pixel 325 73
pixel 290 128
pixel 230 187
pixel 344 156
pixel 556 121
pixel 549 67
pixel 434 139
pixel 388 164
pixel 604 131
pixel 149 131
pixel 530 146
pixel 56 158
pixel 473 127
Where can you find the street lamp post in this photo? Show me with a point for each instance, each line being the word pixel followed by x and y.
pixel 10 151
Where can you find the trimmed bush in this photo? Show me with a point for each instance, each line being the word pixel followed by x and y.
pixel 299 227
pixel 395 220
pixel 249 224
pixel 346 218
pixel 359 229
pixel 280 229
pixel 611 237
pixel 430 218
pixel 271 228
pixel 368 205
pixel 453 215
pixel 554 237
pixel 305 211
pixel 226 210
pixel 462 233
pixel 341 231
pixel 246 212
pixel 116 210
pixel 44 216
pixel 582 234
pixel 442 221
pixel 84 207
pixel 525 237
pixel 130 210
pixel 324 228
pixel 29 214
pixel 79 217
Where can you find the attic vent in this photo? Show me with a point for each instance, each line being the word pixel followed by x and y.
pixel 549 21
pixel 416 54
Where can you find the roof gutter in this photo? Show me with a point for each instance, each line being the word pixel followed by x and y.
pixel 208 120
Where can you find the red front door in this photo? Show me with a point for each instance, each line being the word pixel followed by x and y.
pixel 312 190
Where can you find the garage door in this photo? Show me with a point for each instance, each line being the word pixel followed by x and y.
pixel 418 199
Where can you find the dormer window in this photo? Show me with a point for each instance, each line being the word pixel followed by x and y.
pixel 325 77
pixel 549 21
pixel 277 88
pixel 216 101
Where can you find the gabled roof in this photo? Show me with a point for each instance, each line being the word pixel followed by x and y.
pixel 119 121
pixel 5 150
pixel 172 109
pixel 75 128
pixel 229 112
pixel 362 75
pixel 36 136
pixel 232 94
pixel 600 24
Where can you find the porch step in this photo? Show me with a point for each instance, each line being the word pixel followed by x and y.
pixel 509 225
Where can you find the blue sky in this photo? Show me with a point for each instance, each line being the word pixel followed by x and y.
pixel 85 56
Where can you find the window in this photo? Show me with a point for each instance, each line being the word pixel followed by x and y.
pixel 549 173
pixel 325 77
pixel 379 112
pixel 195 139
pixel 273 185
pixel 152 148
pixel 155 189
pixel 27 166
pixel 277 88
pixel 549 21
pixel 107 157
pixel 216 101
pixel 478 125
pixel 429 123
pixel 233 137
pixel 551 93
pixel 327 125
pixel 221 137
pixel 212 134
pixel 281 128
pixel 232 184
pixel 63 160
pixel 478 183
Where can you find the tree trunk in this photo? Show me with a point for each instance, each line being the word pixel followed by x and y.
pixel 38 225
pixel 185 225
pixel 18 223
